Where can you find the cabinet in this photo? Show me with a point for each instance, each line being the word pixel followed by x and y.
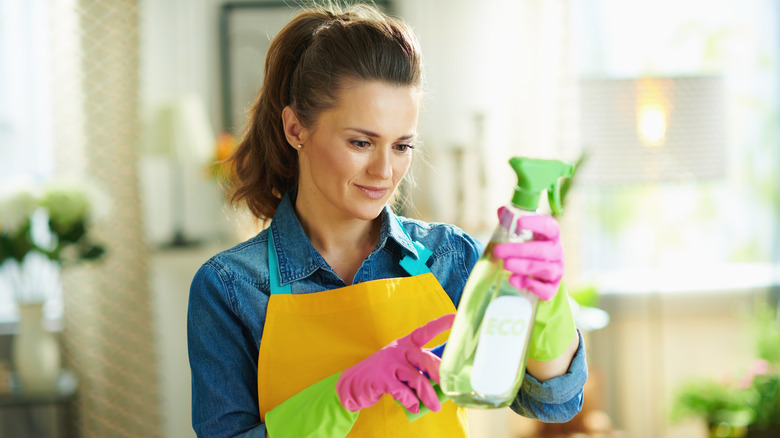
pixel 38 415
pixel 170 274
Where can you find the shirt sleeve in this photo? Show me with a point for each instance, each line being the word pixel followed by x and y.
pixel 472 251
pixel 556 400
pixel 223 360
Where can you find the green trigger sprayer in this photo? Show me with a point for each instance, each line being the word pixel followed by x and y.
pixel 535 175
pixel 484 362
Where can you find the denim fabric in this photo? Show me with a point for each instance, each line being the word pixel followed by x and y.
pixel 230 292
pixel 557 400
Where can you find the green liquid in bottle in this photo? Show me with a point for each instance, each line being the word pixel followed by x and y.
pixel 484 362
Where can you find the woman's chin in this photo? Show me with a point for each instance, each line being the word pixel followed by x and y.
pixel 371 211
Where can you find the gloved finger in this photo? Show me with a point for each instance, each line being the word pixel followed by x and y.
pixel 545 291
pixel 543 226
pixel 405 395
pixel 422 335
pixel 425 361
pixel 538 250
pixel 422 386
pixel 539 269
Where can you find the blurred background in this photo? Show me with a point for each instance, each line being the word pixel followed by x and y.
pixel 113 112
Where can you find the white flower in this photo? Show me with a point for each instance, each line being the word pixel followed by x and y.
pixel 66 206
pixel 15 211
pixel 73 197
pixel 51 219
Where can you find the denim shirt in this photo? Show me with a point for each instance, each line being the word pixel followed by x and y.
pixel 229 296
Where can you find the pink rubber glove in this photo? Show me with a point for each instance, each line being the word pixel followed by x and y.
pixel 536 266
pixel 396 369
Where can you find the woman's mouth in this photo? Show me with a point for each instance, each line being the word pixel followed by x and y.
pixel 373 192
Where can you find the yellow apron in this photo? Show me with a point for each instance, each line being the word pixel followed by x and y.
pixel 309 337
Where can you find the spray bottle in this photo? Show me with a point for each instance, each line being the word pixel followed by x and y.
pixel 484 361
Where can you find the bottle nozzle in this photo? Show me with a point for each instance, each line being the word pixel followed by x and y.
pixel 535 175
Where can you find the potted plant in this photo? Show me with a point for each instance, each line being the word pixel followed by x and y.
pixel 763 376
pixel 42 229
pixel 748 406
pixel 724 406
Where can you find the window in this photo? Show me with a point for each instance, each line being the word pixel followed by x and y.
pixel 25 107
pixel 724 222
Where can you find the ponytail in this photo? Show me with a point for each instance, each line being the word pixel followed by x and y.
pixel 304 67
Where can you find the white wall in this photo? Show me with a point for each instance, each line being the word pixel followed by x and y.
pixel 508 62
pixel 179 58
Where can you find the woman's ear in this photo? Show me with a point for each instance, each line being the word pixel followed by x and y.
pixel 293 129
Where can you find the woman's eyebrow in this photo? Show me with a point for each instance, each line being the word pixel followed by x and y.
pixel 372 134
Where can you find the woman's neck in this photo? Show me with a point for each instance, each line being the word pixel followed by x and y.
pixel 343 243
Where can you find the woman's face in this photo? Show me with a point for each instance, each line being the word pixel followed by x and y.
pixel 354 157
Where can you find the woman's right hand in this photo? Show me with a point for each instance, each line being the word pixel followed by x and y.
pixel 397 369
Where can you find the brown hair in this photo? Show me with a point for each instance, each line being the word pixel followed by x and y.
pixel 305 67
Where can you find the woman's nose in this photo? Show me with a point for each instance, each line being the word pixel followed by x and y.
pixel 381 164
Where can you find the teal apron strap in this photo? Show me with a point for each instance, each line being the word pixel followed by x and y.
pixel 415 266
pixel 273 269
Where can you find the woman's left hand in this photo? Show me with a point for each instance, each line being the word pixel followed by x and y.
pixel 537 265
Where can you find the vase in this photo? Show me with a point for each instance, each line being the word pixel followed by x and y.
pixel 35 352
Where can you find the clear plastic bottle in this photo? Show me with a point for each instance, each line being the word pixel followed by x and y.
pixel 484 361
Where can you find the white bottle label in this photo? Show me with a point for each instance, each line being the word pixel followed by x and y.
pixel 500 349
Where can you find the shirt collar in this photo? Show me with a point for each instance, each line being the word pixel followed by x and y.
pixel 391 228
pixel 296 255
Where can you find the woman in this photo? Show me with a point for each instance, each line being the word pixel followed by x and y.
pixel 317 325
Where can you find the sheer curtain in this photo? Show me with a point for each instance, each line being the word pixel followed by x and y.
pixel 108 334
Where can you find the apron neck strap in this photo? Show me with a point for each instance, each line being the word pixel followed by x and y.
pixel 411 264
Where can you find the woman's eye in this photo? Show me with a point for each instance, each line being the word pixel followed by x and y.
pixel 360 144
pixel 404 147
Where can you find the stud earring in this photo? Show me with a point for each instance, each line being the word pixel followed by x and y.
pixel 299 147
